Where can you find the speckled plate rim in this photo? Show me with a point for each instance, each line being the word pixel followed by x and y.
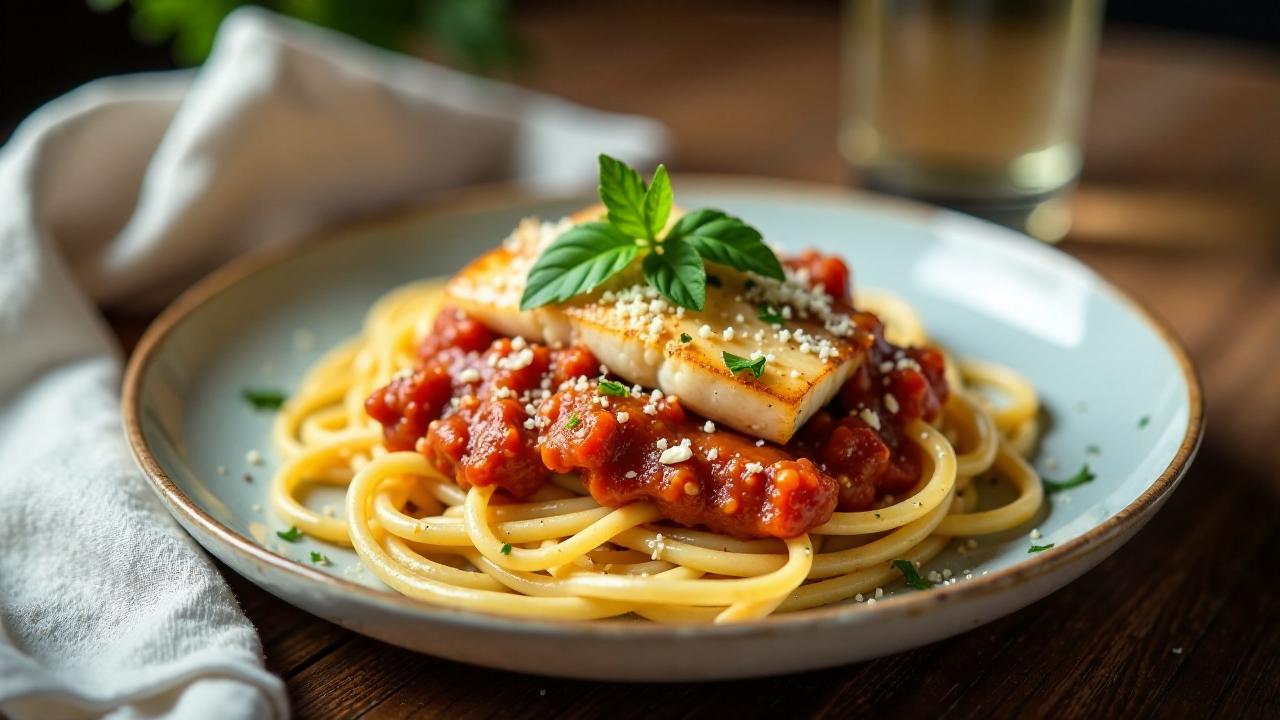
pixel 495 197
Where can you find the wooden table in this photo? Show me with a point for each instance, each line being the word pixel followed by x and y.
pixel 1177 207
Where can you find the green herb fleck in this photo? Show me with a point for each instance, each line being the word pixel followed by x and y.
pixel 611 387
pixel 506 548
pixel 1039 548
pixel 1093 450
pixel 877 516
pixel 574 421
pixel 769 315
pixel 908 570
pixel 737 363
pixel 320 558
pixel 261 399
pixel 636 215
pixel 293 534
pixel 1144 421
pixel 1080 478
pixel 686 338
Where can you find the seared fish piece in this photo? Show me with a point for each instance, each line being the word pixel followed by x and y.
pixel 810 348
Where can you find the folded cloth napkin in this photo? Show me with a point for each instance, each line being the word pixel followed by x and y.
pixel 128 188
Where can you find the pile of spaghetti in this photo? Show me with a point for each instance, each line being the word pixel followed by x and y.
pixel 558 554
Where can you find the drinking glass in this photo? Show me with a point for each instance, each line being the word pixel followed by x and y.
pixel 971 104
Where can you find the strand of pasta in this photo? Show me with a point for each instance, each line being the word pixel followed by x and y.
pixel 553 555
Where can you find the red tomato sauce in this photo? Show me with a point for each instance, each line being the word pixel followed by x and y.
pixel 491 410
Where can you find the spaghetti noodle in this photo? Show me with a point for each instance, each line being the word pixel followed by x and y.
pixel 559 554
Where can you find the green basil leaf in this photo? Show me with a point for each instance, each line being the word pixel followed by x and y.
pixel 293 534
pixel 678 273
pixel 912 576
pixel 622 191
pixel 657 202
pixel 579 260
pixel 768 314
pixel 263 399
pixel 737 363
pixel 1082 476
pixel 1039 548
pixel 612 387
pixel 729 241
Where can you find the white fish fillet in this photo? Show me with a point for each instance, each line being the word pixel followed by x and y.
pixel 638 336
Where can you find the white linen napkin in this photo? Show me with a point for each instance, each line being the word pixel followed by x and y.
pixel 129 188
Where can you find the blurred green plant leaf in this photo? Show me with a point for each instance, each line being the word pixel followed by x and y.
pixel 474 34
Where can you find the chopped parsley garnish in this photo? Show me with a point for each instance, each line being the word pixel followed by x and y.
pixel 769 315
pixel 1080 478
pixel 877 516
pixel 261 399
pixel 737 363
pixel 320 558
pixel 908 570
pixel 293 534
pixel 1144 421
pixel 1039 548
pixel 587 254
pixel 574 421
pixel 506 548
pixel 612 387
pixel 686 338
pixel 1093 450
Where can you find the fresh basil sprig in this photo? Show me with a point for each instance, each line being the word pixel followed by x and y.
pixel 637 213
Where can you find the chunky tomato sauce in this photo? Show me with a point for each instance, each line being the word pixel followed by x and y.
pixel 499 411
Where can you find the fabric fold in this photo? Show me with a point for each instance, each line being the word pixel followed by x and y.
pixel 123 192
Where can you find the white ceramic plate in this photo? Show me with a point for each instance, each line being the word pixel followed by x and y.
pixel 1118 388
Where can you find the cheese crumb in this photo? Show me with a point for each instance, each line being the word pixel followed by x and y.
pixel 662 443
pixel 623 417
pixel 253 457
pixel 891 404
pixel 708 426
pixel 704 331
pixel 677 454
pixel 713 453
pixel 870 417
pixel 658 547
pixel 469 375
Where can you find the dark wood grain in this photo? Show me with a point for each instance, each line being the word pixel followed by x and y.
pixel 1177 206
